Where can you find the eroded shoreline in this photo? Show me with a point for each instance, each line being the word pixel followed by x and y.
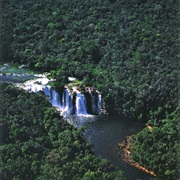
pixel 124 150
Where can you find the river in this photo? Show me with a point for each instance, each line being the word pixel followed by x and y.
pixel 102 131
pixel 105 133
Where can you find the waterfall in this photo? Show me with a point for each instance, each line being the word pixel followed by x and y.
pixel 99 104
pixel 81 104
pixel 95 103
pixel 63 103
pixel 34 87
pixel 55 100
pixel 68 101
pixel 74 104
pixel 47 91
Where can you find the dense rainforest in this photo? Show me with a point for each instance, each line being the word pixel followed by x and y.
pixel 127 49
pixel 38 144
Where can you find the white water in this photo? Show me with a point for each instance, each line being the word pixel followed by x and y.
pixel 55 99
pixel 69 103
pixel 81 104
pixel 104 133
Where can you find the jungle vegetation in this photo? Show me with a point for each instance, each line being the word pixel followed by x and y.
pixel 157 148
pixel 36 142
pixel 127 49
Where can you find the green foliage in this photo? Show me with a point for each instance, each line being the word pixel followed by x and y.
pixel 158 149
pixel 126 49
pixel 38 144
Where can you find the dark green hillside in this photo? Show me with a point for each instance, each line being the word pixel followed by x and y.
pixel 127 49
pixel 36 143
pixel 158 148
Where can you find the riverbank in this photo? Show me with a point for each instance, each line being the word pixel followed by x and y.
pixel 105 133
pixel 39 144
pixel 112 132
pixel 124 150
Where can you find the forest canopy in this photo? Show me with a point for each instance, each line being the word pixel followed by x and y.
pixel 38 144
pixel 127 49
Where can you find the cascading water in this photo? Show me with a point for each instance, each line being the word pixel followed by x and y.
pixel 55 100
pixel 75 102
pixel 68 102
pixel 81 104
pixel 47 91
pixel 36 88
pixel 93 103
pixel 107 129
pixel 99 104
